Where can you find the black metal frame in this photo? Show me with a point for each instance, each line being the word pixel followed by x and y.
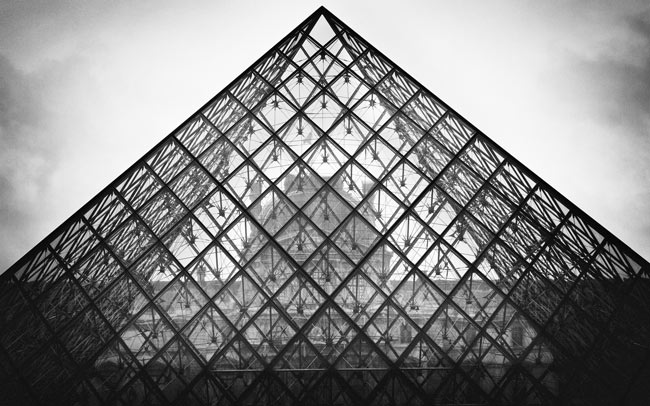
pixel 114 306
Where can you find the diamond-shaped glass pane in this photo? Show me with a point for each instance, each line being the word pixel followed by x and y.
pixel 323 111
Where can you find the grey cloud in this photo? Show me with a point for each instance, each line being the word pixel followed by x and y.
pixel 617 82
pixel 620 91
pixel 639 91
pixel 27 156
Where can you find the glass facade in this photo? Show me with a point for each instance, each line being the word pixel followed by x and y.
pixel 326 231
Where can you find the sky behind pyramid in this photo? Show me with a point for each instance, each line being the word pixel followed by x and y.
pixel 508 68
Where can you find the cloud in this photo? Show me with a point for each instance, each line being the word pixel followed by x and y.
pixel 27 156
pixel 633 77
pixel 608 87
pixel 616 80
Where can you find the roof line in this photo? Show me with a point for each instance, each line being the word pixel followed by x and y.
pixel 563 199
pixel 97 197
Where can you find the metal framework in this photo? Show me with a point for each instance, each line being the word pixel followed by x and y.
pixel 326 231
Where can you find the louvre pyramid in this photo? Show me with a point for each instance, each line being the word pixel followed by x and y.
pixel 326 231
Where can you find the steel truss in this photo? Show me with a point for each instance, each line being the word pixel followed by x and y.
pixel 326 231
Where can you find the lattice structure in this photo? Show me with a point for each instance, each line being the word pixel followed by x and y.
pixel 326 231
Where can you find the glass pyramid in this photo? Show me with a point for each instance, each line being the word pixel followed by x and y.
pixel 326 231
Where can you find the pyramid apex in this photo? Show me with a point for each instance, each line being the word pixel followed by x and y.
pixel 320 11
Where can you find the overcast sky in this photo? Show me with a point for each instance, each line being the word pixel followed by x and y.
pixel 87 87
